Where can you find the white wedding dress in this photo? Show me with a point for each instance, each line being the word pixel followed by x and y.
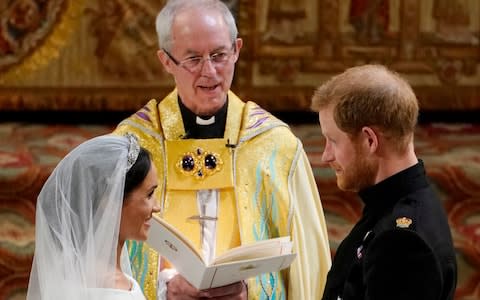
pixel 115 294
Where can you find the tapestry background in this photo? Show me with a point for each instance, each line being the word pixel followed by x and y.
pixel 100 55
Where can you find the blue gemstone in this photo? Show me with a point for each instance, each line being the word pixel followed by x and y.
pixel 188 163
pixel 210 161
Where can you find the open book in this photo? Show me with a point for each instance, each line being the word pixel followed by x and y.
pixel 232 266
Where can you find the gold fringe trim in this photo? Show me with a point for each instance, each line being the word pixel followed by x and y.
pixel 50 47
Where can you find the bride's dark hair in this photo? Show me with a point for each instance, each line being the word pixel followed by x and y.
pixel 138 171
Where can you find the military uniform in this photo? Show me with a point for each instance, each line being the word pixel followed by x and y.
pixel 400 249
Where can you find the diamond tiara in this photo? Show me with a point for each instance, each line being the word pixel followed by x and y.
pixel 133 150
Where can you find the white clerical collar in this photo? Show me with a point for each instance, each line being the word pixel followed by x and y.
pixel 208 121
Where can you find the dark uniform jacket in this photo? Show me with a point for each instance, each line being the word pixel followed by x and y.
pixel 400 249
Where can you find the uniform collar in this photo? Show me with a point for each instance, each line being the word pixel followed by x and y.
pixel 388 192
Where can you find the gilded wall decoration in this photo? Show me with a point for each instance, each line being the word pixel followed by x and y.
pixel 24 25
pixel 293 46
pixel 126 42
pixel 102 54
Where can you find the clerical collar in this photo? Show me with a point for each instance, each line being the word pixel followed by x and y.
pixel 201 127
pixel 201 121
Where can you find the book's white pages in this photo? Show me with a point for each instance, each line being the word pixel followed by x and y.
pixel 232 266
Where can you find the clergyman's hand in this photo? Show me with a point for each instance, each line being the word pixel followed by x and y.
pixel 178 288
pixel 234 291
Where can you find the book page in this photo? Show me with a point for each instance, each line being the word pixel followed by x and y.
pixel 176 233
pixel 228 273
pixel 265 248
pixel 170 244
pixel 234 265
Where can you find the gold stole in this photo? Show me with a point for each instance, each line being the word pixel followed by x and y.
pixel 194 165
pixel 180 199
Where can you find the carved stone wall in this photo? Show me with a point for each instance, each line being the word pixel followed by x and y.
pixel 100 55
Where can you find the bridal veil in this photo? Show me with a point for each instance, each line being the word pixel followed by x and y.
pixel 77 220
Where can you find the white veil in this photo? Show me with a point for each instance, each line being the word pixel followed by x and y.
pixel 77 221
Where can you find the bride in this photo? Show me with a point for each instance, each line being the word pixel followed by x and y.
pixel 99 196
